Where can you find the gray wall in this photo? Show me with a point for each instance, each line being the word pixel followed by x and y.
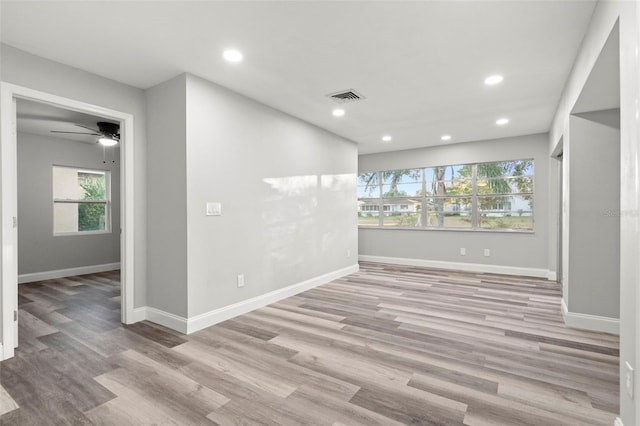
pixel 38 249
pixel 167 196
pixel 287 190
pixel 592 217
pixel 521 250
pixel 606 15
pixel 37 73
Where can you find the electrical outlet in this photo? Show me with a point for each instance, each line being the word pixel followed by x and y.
pixel 463 251
pixel 241 280
pixel 628 381
pixel 487 252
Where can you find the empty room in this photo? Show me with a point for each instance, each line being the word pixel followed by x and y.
pixel 319 212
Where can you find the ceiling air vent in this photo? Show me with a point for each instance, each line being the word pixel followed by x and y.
pixel 346 96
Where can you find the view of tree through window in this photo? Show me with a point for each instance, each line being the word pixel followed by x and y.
pixel 495 195
pixel 80 200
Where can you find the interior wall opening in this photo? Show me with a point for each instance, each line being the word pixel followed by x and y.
pixel 68 195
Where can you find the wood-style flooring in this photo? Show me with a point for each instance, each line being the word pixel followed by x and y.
pixel 389 345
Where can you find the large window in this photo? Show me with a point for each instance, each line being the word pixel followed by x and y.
pixel 496 195
pixel 81 201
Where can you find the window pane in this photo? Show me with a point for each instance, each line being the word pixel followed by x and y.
pixel 461 186
pixel 368 212
pixel 79 217
pixel 505 169
pixel 65 184
pixel 402 190
pixel 449 180
pixel 402 212
pixel 449 212
pixel 368 185
pixel 91 217
pixel 65 217
pixel 505 212
pixel 93 185
pixel 510 185
pixel 402 176
pixel 368 192
pixel 448 172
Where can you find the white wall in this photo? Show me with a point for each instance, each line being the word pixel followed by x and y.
pixel 606 15
pixel 516 252
pixel 20 68
pixel 592 219
pixel 287 190
pixel 167 197
pixel 38 249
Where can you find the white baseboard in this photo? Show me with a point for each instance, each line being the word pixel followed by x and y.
pixel 70 272
pixel 471 267
pixel 139 314
pixel 618 422
pixel 193 324
pixel 552 276
pixel 174 322
pixel 222 314
pixel 590 322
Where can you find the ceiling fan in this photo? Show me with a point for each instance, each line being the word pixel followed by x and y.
pixel 108 133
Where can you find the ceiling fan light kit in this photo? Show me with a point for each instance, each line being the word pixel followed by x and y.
pixel 107 141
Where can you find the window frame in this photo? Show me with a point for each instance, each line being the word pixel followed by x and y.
pixel 106 202
pixel 475 210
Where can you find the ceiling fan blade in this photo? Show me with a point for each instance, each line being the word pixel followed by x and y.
pixel 89 128
pixel 77 133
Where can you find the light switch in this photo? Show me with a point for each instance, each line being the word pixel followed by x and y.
pixel 214 209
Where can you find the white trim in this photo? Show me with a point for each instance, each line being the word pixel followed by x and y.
pixel 471 267
pixel 174 322
pixel 589 322
pixel 8 211
pixel 618 422
pixel 139 314
pixel 552 276
pixel 222 314
pixel 191 325
pixel 69 272
pixel 9 92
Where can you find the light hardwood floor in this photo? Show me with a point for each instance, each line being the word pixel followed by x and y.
pixel 389 345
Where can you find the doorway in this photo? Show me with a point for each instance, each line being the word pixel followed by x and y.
pixel 10 94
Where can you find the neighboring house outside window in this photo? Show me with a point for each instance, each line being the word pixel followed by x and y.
pixel 494 195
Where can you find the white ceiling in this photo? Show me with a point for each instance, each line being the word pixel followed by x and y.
pixel 43 119
pixel 420 64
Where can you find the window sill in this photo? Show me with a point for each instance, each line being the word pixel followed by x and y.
pixel 79 234
pixel 480 230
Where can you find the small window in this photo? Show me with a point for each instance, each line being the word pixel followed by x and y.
pixel 81 201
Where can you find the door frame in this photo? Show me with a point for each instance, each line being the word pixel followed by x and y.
pixel 9 93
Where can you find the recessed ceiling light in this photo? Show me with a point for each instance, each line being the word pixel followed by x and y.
pixel 502 121
pixel 493 79
pixel 386 138
pixel 232 55
pixel 445 137
pixel 338 112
